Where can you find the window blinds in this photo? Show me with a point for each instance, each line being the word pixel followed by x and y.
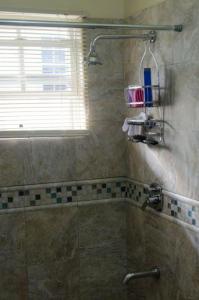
pixel 41 79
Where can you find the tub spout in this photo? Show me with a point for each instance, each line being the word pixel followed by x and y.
pixel 128 277
pixel 155 272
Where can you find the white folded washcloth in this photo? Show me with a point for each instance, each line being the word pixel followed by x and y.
pixel 125 126
pixel 134 129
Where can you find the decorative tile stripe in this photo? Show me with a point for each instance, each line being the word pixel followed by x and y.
pixel 62 193
pixel 176 206
pixel 186 212
pixel 135 191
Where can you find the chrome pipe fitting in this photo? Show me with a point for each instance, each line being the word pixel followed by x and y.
pixel 154 197
pixel 155 273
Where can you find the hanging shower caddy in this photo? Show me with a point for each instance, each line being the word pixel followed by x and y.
pixel 151 131
pixel 138 96
pixel 146 96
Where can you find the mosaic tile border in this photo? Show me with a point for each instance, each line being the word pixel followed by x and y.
pixel 175 206
pixel 181 210
pixel 62 193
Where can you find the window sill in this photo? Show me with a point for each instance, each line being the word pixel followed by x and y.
pixel 44 134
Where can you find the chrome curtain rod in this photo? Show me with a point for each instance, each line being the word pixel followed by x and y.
pixel 13 22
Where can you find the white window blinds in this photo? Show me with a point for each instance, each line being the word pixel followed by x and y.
pixel 41 79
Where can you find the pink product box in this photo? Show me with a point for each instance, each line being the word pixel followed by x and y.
pixel 134 96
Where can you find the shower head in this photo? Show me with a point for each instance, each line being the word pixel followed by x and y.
pixel 92 58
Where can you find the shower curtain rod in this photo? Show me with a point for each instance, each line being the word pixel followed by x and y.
pixel 61 24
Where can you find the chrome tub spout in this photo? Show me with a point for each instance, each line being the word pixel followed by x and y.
pixel 155 272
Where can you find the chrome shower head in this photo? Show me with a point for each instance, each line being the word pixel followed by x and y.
pixel 92 58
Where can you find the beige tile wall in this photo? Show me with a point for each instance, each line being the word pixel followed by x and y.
pixel 174 165
pixel 65 252
pixel 154 241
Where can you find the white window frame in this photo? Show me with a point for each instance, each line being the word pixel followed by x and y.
pixel 44 133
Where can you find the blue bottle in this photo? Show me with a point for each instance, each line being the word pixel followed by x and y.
pixel 148 96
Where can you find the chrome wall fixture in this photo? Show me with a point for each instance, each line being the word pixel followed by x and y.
pixel 93 58
pixel 154 198
pixel 152 131
pixel 155 273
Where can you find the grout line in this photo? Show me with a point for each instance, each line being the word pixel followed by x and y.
pixel 62 183
pixel 51 206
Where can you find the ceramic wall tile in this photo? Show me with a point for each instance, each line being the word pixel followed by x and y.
pixel 55 240
pixel 174 164
pixel 58 280
pixel 14 280
pixel 185 46
pixel 167 245
pixel 102 267
pixel 13 237
pixel 102 153
pixel 13 162
pixel 101 225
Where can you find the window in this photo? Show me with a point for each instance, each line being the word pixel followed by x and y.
pixel 41 81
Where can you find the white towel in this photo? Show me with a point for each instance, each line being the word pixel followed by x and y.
pixel 134 129
pixel 125 126
pixel 131 131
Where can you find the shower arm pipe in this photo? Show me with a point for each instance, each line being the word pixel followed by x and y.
pixel 151 36
pixel 88 25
